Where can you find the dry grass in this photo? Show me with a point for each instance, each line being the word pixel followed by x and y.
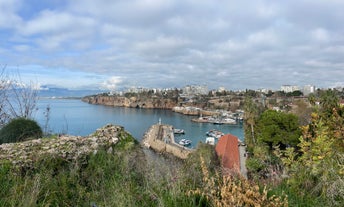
pixel 231 190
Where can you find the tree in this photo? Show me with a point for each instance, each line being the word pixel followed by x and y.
pixel 16 99
pixel 303 110
pixel 328 102
pixel 251 113
pixel 278 128
pixel 312 99
pixel 4 116
pixel 317 168
pixel 294 93
pixel 19 130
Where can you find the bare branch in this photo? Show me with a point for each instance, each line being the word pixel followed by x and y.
pixel 16 98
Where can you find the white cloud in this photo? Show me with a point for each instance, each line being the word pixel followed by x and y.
pixel 320 35
pixel 161 46
pixel 265 37
pixel 8 15
pixel 52 29
pixel 112 83
pixel 158 42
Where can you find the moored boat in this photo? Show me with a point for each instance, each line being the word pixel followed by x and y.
pixel 215 133
pixel 178 131
pixel 185 142
pixel 210 140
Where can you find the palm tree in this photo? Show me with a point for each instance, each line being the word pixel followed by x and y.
pixel 250 116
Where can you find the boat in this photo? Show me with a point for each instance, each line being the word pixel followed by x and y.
pixel 210 140
pixel 217 122
pixel 229 121
pixel 185 142
pixel 215 133
pixel 178 131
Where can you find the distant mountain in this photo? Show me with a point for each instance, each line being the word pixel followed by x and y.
pixel 65 92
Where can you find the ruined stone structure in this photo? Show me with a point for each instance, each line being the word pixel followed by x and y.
pixel 25 153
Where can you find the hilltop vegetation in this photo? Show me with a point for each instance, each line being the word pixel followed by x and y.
pixel 92 171
pixel 303 159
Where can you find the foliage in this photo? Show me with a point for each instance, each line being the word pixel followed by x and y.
pixel 251 115
pixel 192 164
pixel 230 190
pixel 320 168
pixel 126 142
pixel 302 111
pixel 294 93
pixel 278 128
pixel 126 177
pixel 20 129
pixel 255 165
pixel 328 101
pixel 273 130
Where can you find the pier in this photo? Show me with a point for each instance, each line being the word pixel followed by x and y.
pixel 160 138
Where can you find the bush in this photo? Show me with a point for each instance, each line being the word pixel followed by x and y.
pixel 20 129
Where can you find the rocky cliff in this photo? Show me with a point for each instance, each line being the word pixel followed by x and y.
pixel 24 154
pixel 132 102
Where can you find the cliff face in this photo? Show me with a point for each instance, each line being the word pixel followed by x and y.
pixel 132 102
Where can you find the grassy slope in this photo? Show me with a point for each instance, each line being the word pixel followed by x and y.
pixel 130 176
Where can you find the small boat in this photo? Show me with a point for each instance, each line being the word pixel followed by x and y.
pixel 178 131
pixel 215 133
pixel 218 122
pixel 185 142
pixel 229 121
pixel 210 140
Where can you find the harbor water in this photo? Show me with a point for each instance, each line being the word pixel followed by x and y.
pixel 74 117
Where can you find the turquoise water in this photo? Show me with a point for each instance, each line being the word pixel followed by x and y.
pixel 75 117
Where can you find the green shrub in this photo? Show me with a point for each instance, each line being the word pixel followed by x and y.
pixel 255 165
pixel 20 129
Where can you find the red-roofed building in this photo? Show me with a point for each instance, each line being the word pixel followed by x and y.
pixel 228 150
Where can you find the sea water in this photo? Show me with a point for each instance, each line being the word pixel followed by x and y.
pixel 74 117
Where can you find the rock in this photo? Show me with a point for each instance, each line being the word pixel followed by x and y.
pixel 66 147
pixel 132 102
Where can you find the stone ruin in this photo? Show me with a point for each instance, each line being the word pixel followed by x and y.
pixel 23 154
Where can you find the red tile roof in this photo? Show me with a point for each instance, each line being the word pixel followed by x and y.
pixel 227 149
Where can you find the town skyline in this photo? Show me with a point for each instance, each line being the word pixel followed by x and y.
pixel 157 44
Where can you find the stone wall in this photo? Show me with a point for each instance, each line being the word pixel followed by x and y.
pixel 160 138
pixel 66 147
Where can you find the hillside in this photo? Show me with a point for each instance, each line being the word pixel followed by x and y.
pixel 109 168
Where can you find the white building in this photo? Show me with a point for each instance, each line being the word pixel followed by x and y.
pixel 221 89
pixel 289 88
pixel 308 89
pixel 191 90
pixel 137 89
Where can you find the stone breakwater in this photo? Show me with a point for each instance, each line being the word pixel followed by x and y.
pixel 25 153
pixel 160 138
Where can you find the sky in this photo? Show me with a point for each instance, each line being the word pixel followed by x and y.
pixel 112 45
